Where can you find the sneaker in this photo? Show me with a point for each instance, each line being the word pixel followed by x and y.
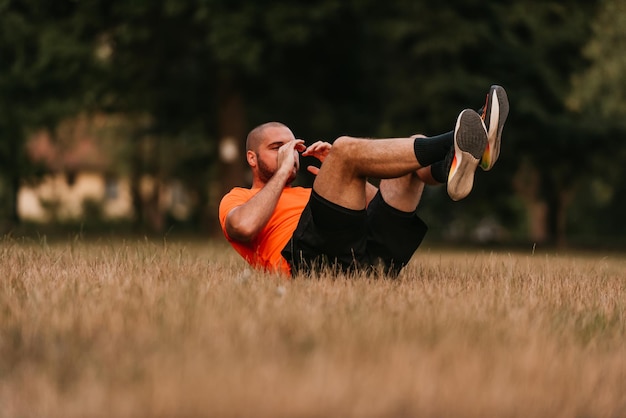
pixel 494 114
pixel 470 141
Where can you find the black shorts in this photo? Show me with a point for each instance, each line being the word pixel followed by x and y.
pixel 329 235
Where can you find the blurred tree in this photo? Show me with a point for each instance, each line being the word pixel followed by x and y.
pixel 194 76
pixel 401 68
pixel 598 98
pixel 158 73
pixel 46 66
pixel 600 90
pixel 537 47
pixel 452 52
pixel 200 71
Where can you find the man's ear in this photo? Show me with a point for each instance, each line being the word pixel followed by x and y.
pixel 251 157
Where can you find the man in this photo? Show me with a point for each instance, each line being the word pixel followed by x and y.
pixel 344 222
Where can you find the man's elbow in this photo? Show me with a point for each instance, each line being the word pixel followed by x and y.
pixel 241 233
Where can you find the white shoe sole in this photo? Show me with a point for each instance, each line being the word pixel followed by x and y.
pixel 470 141
pixel 498 112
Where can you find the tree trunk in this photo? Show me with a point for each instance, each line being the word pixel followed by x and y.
pixel 549 191
pixel 231 145
pixel 154 213
pixel 146 184
pixel 135 186
pixel 547 202
pixel 527 184
pixel 14 174
pixel 13 218
pixel 563 200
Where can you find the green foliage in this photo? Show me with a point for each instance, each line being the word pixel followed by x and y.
pixel 325 68
pixel 600 90
pixel 47 66
pixel 46 57
pixel 598 100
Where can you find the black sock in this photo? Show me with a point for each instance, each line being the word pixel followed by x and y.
pixel 440 169
pixel 429 150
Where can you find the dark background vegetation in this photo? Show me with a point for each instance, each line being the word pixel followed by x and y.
pixel 184 75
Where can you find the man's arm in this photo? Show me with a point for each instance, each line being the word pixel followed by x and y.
pixel 244 222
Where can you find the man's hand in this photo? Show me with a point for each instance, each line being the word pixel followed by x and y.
pixel 319 150
pixel 288 155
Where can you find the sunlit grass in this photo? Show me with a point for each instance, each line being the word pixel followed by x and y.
pixel 139 328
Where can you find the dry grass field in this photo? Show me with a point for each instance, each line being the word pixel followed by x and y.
pixel 144 329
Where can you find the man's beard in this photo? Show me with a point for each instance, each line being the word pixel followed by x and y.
pixel 265 173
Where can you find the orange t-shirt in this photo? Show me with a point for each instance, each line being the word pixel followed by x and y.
pixel 264 251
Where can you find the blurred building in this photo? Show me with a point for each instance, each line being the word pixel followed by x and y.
pixel 81 182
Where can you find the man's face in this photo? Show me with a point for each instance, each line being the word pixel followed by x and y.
pixel 267 155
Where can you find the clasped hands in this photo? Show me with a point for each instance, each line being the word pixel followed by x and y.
pixel 319 150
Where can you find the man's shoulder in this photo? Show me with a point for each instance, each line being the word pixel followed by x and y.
pixel 236 196
pixel 244 194
pixel 240 191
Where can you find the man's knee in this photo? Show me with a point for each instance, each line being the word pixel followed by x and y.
pixel 344 157
pixel 344 146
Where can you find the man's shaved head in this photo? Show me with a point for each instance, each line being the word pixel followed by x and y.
pixel 256 135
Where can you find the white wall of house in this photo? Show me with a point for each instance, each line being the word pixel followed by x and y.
pixel 55 199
